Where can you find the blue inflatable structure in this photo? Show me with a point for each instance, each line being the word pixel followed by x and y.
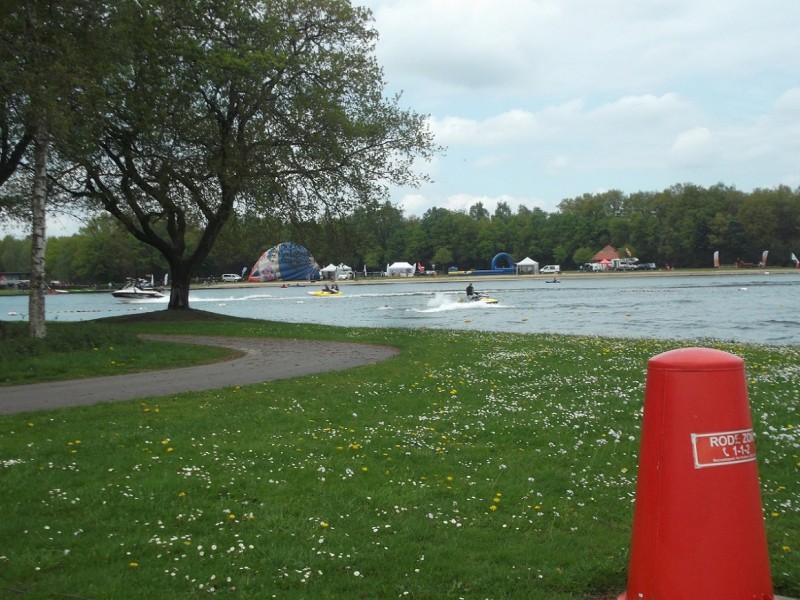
pixel 496 269
pixel 287 262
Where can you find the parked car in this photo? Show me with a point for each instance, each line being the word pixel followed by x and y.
pixel 647 267
pixel 552 269
pixel 231 278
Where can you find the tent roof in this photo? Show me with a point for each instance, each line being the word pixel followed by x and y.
pixel 609 252
pixel 527 261
pixel 330 268
pixel 401 265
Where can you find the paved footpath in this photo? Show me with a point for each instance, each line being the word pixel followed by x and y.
pixel 261 360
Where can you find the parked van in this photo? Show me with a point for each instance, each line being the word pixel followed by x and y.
pixel 231 278
pixel 553 269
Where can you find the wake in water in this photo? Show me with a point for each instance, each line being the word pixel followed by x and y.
pixel 451 302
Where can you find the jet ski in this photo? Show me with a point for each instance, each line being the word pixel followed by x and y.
pixel 479 297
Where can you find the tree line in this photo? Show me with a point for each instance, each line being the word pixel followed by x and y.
pixel 682 226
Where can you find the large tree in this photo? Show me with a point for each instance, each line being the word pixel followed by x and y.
pixel 225 105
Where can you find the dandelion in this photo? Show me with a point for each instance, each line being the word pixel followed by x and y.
pixel 786 548
pixel 324 524
pixel 133 565
pixel 493 507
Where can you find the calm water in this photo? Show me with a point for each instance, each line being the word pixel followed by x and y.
pixel 755 308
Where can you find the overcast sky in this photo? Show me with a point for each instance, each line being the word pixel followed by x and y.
pixel 541 100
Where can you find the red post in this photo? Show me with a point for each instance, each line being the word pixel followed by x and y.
pixel 698 525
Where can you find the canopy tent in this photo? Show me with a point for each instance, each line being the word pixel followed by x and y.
pixel 400 269
pixel 286 261
pixel 340 271
pixel 527 265
pixel 607 253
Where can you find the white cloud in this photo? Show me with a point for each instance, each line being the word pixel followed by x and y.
pixel 692 147
pixel 550 99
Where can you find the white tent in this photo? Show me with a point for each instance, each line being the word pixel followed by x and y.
pixel 400 269
pixel 341 271
pixel 527 265
pixel 328 272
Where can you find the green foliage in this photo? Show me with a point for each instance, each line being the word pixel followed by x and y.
pixel 652 225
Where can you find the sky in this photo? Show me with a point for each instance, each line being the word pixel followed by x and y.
pixel 538 101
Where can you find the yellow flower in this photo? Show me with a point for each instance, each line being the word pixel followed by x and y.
pixel 493 507
pixel 364 469
pixel 324 524
pixel 786 548
pixel 133 565
pixel 232 517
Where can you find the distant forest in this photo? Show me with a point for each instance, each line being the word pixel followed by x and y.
pixel 682 226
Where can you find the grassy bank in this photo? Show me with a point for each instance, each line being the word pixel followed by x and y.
pixel 469 466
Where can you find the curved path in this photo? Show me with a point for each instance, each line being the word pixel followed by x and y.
pixel 262 360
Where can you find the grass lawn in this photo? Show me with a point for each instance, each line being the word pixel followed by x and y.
pixel 472 465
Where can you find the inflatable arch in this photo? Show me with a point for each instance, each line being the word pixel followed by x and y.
pixel 499 257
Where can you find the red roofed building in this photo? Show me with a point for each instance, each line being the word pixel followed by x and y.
pixel 608 253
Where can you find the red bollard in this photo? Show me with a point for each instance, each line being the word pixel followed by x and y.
pixel 698 524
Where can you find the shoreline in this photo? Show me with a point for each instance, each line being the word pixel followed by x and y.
pixel 463 277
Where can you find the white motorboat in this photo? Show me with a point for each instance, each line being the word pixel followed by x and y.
pixel 134 290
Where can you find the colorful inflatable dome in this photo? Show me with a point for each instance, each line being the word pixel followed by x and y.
pixel 287 262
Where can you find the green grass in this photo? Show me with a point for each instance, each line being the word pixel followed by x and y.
pixel 469 466
pixel 89 349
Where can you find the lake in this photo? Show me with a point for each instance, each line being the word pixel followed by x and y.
pixel 757 307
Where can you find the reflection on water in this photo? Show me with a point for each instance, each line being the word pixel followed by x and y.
pixel 756 308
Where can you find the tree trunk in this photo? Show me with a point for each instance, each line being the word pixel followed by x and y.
pixel 36 311
pixel 179 291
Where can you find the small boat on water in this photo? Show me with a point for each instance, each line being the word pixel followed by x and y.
pixel 324 293
pixel 135 290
